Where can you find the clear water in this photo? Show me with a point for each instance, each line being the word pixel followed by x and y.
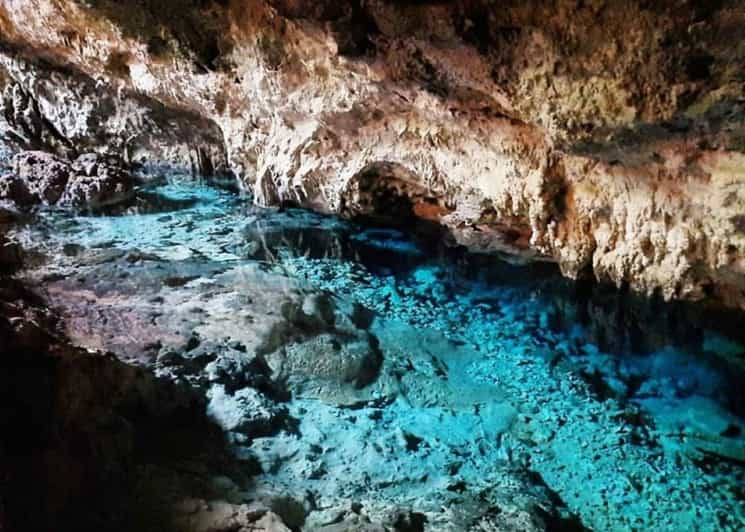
pixel 631 411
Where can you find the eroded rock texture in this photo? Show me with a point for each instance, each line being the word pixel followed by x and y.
pixel 607 136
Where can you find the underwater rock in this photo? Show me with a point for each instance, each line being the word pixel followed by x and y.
pixel 466 414
pixel 246 411
pixel 210 363
pixel 318 350
pixel 323 363
pixel 700 427
pixel 236 369
pixel 198 515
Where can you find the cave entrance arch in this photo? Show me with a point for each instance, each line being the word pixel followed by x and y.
pixel 388 193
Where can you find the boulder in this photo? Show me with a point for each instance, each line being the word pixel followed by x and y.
pixel 98 182
pixel 321 350
pixel 328 361
pixel 94 192
pixel 92 181
pixel 247 411
pixel 14 189
pixel 44 175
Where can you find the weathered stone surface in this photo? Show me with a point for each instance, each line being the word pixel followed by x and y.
pixel 319 351
pixel 90 182
pixel 99 183
pixel 606 137
pixel 15 190
pixel 11 255
pixel 44 175
pixel 86 427
pixel 246 411
pixel 69 112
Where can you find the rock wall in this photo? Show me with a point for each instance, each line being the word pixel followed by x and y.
pixel 607 136
pixel 60 109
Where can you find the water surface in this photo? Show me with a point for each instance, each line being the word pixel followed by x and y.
pixel 630 411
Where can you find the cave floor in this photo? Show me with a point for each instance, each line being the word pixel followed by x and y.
pixel 399 375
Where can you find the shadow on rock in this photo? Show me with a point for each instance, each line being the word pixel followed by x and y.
pixel 90 443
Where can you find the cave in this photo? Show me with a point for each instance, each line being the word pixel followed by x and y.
pixel 376 266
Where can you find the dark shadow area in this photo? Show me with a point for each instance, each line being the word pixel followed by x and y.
pixel 90 443
pixel 196 27
pixel 147 202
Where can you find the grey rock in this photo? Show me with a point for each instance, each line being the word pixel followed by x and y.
pixel 327 359
pixel 107 188
pixel 98 181
pixel 14 189
pixel 247 411
pixel 44 175
pixel 318 350
pixel 87 164
pixel 235 370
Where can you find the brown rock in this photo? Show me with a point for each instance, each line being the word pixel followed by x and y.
pixel 568 131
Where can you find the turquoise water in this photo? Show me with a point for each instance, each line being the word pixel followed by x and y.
pixel 632 411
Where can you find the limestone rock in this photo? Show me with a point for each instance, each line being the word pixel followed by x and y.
pixel 325 359
pixel 44 175
pixel 100 184
pixel 221 516
pixel 91 182
pixel 318 350
pixel 569 133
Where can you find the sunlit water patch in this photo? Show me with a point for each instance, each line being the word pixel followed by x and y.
pixel 460 367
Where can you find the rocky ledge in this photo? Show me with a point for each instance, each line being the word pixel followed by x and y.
pixel 605 136
pixel 90 182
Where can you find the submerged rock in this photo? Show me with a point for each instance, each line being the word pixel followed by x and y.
pixel 327 360
pixel 319 350
pixel 247 411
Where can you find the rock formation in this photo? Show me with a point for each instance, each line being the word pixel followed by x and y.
pixel 605 136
